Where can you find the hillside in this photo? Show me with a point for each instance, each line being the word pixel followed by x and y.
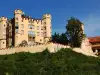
pixel 63 62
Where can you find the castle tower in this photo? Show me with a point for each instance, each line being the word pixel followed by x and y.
pixel 47 24
pixel 18 13
pixel 3 25
pixel 17 25
pixel 83 28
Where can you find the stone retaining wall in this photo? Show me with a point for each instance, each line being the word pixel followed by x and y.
pixel 37 48
pixel 52 47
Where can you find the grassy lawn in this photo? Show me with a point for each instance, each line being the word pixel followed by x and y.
pixel 63 62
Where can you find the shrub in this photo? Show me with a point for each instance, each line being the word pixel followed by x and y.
pixel 24 43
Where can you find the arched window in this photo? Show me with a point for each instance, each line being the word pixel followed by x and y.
pixel 31 33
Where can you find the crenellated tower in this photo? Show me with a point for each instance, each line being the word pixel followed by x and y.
pixel 18 13
pixel 3 25
pixel 17 25
pixel 47 23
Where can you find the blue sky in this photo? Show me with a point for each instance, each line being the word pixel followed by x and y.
pixel 87 11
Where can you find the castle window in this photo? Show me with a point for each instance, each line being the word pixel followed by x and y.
pixel 16 25
pixel 25 18
pixel 45 28
pixel 40 39
pixel 42 34
pixel 16 30
pixel 16 18
pixel 22 20
pixel 33 27
pixel 22 31
pixel 38 33
pixel 37 27
pixel 29 21
pixel 30 26
pixel 3 42
pixel 16 36
pixel 4 25
pixel 22 25
pixel 41 27
pixel 44 22
pixel 45 33
pixel 31 33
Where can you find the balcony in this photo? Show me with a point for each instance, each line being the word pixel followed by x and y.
pixel 31 34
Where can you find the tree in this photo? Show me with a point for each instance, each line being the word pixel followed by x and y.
pixel 55 37
pixel 63 39
pixel 74 32
pixel 60 38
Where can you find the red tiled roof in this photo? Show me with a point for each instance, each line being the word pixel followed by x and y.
pixel 94 39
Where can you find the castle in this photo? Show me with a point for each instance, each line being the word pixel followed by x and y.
pixel 24 28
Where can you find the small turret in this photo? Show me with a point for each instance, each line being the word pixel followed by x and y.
pixel 46 16
pixel 18 11
pixel 18 14
pixel 3 18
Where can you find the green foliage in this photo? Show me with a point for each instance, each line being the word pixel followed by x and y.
pixel 60 38
pixel 63 62
pixel 74 32
pixel 84 35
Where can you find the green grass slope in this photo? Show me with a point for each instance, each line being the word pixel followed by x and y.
pixel 63 62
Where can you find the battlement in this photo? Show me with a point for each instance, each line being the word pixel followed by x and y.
pixel 46 16
pixel 18 11
pixel 3 18
pixel 31 19
pixel 37 20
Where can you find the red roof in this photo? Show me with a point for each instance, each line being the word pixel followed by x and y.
pixel 94 39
